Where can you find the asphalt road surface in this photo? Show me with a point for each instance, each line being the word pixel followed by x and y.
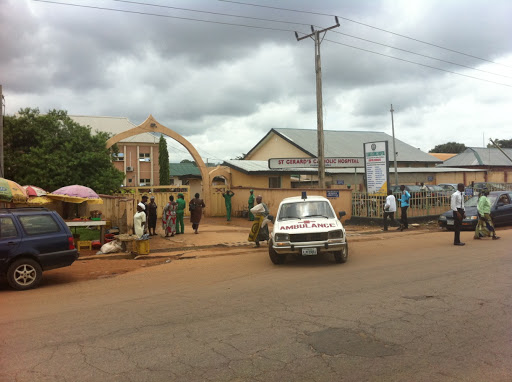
pixel 411 308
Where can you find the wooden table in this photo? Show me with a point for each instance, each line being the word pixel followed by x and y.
pixel 89 223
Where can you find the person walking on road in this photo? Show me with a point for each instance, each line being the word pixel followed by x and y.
pixel 457 206
pixel 389 210
pixel 169 217
pixel 152 212
pixel 227 200
pixel 404 205
pixel 251 205
pixel 485 226
pixel 259 229
pixel 180 212
pixel 196 206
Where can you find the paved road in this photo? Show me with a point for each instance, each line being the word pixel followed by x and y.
pixel 411 309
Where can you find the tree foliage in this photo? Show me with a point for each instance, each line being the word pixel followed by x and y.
pixel 240 157
pixel 163 161
pixel 449 148
pixel 503 143
pixel 53 151
pixel 189 161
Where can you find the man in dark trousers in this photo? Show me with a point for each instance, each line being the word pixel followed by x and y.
pixel 404 205
pixel 457 206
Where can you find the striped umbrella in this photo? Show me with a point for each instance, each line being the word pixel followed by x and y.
pixel 34 191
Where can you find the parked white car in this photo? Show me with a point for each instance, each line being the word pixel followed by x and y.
pixel 307 227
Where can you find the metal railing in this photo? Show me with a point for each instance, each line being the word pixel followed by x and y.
pixel 425 203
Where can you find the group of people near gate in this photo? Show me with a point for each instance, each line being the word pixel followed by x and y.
pixel 484 228
pixel 145 220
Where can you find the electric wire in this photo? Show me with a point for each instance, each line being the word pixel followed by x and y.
pixel 307 25
pixel 260 27
pixel 161 15
pixel 366 25
pixel 417 63
pixel 211 13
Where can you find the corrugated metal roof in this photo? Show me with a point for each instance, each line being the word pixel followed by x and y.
pixel 114 125
pixel 479 156
pixel 350 144
pixel 186 169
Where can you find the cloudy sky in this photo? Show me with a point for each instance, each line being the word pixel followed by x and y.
pixel 223 73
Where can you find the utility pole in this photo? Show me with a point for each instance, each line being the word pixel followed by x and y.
pixel 315 35
pixel 394 148
pixel 1 133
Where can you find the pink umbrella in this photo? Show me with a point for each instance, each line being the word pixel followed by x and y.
pixel 34 191
pixel 76 194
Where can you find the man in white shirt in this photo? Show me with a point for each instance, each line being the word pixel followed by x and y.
pixel 457 206
pixel 389 210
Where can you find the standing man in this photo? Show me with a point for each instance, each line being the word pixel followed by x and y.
pixel 227 199
pixel 251 205
pixel 404 205
pixel 389 209
pixel 457 205
pixel 180 212
pixel 151 208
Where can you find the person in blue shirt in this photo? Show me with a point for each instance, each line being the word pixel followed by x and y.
pixel 404 205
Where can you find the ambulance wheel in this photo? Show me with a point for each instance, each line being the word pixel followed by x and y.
pixel 275 257
pixel 341 256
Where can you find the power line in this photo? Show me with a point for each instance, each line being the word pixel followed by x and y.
pixel 417 63
pixel 308 25
pixel 211 13
pixel 422 55
pixel 366 25
pixel 160 15
pixel 258 27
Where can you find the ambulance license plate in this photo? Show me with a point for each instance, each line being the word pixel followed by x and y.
pixel 308 251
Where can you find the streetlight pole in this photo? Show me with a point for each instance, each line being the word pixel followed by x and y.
pixel 394 148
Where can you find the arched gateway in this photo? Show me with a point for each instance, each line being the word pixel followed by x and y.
pixel 151 125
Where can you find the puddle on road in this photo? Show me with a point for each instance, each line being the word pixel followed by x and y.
pixel 334 341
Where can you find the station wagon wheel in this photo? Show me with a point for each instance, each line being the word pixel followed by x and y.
pixel 341 256
pixel 274 256
pixel 24 274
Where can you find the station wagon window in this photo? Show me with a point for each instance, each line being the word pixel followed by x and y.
pixel 39 224
pixel 7 228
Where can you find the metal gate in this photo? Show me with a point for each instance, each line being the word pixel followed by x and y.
pixel 218 207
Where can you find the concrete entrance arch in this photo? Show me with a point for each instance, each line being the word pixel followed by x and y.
pixel 151 125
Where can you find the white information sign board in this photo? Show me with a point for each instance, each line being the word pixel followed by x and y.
pixel 376 167
pixel 275 163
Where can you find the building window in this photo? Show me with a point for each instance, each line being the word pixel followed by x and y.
pixel 144 157
pixel 119 157
pixel 145 182
pixel 274 182
pixel 171 182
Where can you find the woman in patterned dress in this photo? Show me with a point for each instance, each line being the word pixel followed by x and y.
pixel 169 217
